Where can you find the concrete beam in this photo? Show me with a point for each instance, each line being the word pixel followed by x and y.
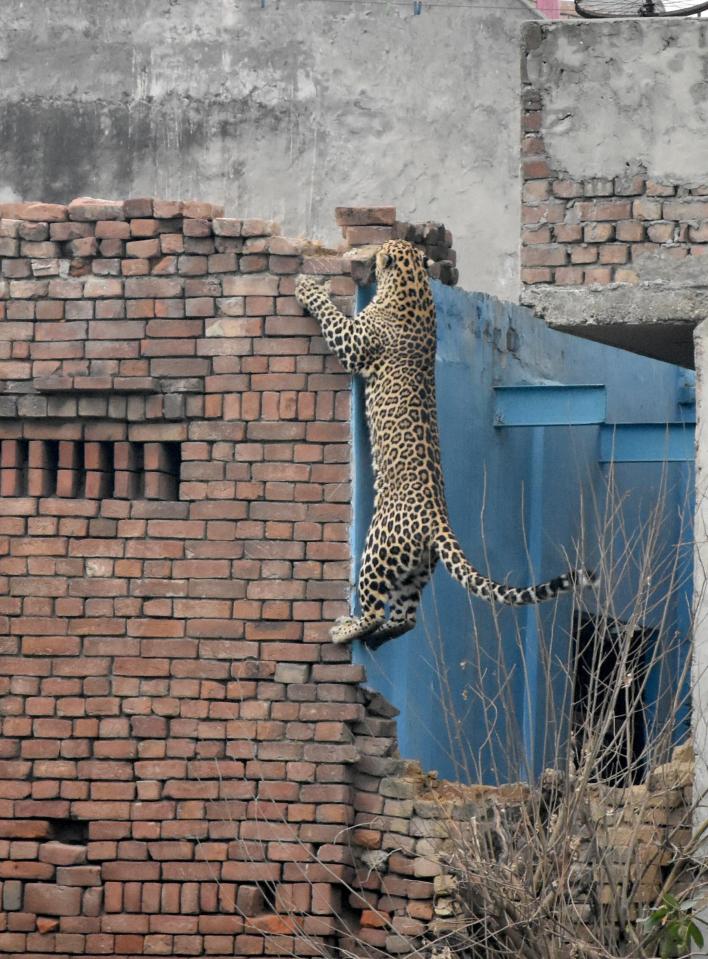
pixel 652 319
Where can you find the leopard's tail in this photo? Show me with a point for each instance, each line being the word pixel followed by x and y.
pixel 456 563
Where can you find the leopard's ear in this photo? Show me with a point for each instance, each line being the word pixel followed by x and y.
pixel 384 261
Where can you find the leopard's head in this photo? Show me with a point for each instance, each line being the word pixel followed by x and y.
pixel 402 282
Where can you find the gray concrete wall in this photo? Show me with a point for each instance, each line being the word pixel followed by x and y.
pixel 623 97
pixel 284 111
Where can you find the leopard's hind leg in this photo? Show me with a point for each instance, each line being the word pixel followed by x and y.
pixel 394 552
pixel 404 606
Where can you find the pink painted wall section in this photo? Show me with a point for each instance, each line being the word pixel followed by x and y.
pixel 551 8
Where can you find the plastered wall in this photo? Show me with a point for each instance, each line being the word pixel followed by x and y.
pixel 282 110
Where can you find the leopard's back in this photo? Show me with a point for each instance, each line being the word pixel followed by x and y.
pixel 401 404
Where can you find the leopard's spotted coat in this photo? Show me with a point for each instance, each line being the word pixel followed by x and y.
pixel 392 345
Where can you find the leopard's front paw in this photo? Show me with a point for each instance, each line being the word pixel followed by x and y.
pixel 305 287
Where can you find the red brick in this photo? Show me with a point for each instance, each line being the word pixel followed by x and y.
pixel 51 899
pixel 50 645
pixel 79 875
pixel 34 212
pixel 199 210
pixel 143 248
pixel 699 234
pixel 598 232
pixel 598 275
pixel 112 229
pixel 630 230
pixel 536 234
pixel 137 207
pixel 62 854
pixel 569 276
pixel 365 215
pixel 605 209
pixel 543 255
pixel 613 253
pixel 536 169
pixel 647 209
pixel 364 235
pixel 88 208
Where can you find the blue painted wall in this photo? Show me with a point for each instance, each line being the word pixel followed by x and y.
pixel 471 706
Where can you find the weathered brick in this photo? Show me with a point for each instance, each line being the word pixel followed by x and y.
pixel 613 253
pixel 88 208
pixel 629 230
pixel 365 215
pixel 103 287
pixel 598 275
pixel 611 209
pixel 598 232
pixel 536 234
pixel 656 188
pixel 544 255
pixel 584 253
pixel 646 209
pixel 42 212
pixel 626 276
pixel 265 285
pixel 598 186
pixel 364 235
pixel 629 185
pixel 699 233
pixel 50 899
pixel 79 875
pixel 199 210
pixel 143 248
pixel 566 188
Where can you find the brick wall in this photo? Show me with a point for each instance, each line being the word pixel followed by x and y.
pixel 187 766
pixel 432 856
pixel 178 736
pixel 602 230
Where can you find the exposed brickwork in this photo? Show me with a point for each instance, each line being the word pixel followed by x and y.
pixel 187 766
pixel 178 735
pixel 595 232
pixel 365 226
pixel 416 836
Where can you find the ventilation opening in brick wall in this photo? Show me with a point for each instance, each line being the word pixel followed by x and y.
pixel 71 832
pixel 73 469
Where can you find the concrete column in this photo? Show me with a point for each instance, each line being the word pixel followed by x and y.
pixel 700 601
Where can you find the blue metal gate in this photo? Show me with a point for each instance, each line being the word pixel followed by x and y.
pixel 529 420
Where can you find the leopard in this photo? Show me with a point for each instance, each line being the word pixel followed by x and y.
pixel 391 344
